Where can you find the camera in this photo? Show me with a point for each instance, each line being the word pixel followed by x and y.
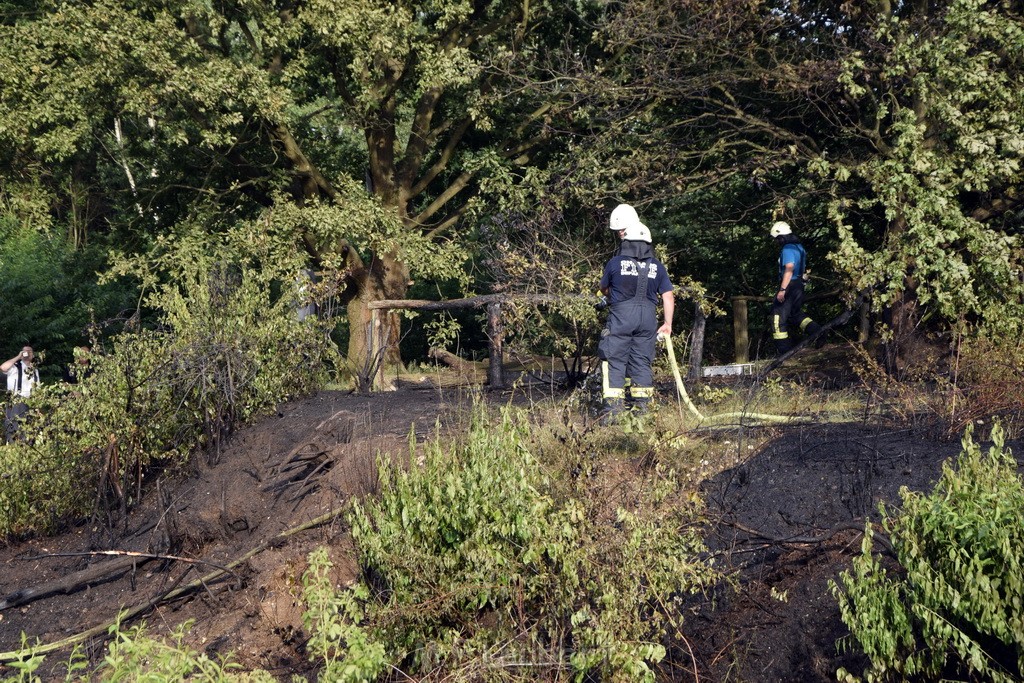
pixel 602 303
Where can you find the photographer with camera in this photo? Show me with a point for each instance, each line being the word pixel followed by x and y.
pixel 22 377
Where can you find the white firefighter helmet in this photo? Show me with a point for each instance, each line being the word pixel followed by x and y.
pixel 624 218
pixel 781 228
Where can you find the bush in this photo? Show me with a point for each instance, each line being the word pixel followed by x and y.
pixel 987 379
pixel 472 564
pixel 133 655
pixel 229 347
pixel 49 294
pixel 955 605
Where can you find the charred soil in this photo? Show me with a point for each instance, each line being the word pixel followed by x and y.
pixel 225 545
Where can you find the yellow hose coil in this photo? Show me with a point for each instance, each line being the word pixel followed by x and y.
pixel 681 388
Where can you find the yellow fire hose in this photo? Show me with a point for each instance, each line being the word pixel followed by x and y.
pixel 681 388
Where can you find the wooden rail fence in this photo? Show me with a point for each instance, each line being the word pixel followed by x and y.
pixel 496 330
pixel 495 327
pixel 740 329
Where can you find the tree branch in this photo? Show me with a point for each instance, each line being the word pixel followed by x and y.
pixel 419 137
pixel 309 174
pixel 443 159
pixel 452 219
pixel 453 189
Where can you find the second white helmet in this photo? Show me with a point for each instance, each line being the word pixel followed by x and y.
pixel 625 218
pixel 781 228
pixel 640 232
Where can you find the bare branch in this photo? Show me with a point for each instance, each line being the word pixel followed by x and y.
pixel 443 158
pixel 457 186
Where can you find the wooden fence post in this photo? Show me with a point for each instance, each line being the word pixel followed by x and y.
pixel 373 355
pixel 864 330
pixel 740 337
pixel 495 336
pixel 696 344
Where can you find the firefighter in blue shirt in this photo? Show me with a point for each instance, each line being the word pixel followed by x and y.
pixel 786 314
pixel 632 281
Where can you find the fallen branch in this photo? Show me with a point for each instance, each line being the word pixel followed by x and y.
pixel 91 576
pixel 312 457
pixel 307 468
pixel 168 595
pixel 839 320
pixel 451 360
pixel 829 533
pixel 121 553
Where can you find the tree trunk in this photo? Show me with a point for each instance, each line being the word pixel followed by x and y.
pixel 373 339
pixel 901 315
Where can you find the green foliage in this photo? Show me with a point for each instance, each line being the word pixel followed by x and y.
pixel 229 347
pixel 889 133
pixel 355 217
pixel 955 608
pixel 50 294
pixel 134 655
pixel 442 330
pixel 711 394
pixel 334 619
pixel 948 99
pixel 414 125
pixel 471 559
pixel 403 121
pixel 29 661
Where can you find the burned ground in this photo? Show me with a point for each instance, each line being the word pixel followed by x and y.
pixel 286 471
pixel 784 522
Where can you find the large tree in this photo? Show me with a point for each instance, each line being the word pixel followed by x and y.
pixel 938 109
pixel 369 126
pixel 899 126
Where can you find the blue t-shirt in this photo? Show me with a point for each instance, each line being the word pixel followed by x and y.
pixel 622 273
pixel 792 253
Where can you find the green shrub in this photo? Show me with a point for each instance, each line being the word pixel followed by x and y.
pixel 472 562
pixel 49 294
pixel 955 606
pixel 987 379
pixel 229 346
pixel 133 655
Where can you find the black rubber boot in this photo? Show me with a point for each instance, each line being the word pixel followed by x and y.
pixel 812 331
pixel 640 406
pixel 611 409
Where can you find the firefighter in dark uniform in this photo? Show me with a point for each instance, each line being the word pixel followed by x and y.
pixel 632 282
pixel 786 313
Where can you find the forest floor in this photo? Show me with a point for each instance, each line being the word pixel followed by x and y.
pixel 786 521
